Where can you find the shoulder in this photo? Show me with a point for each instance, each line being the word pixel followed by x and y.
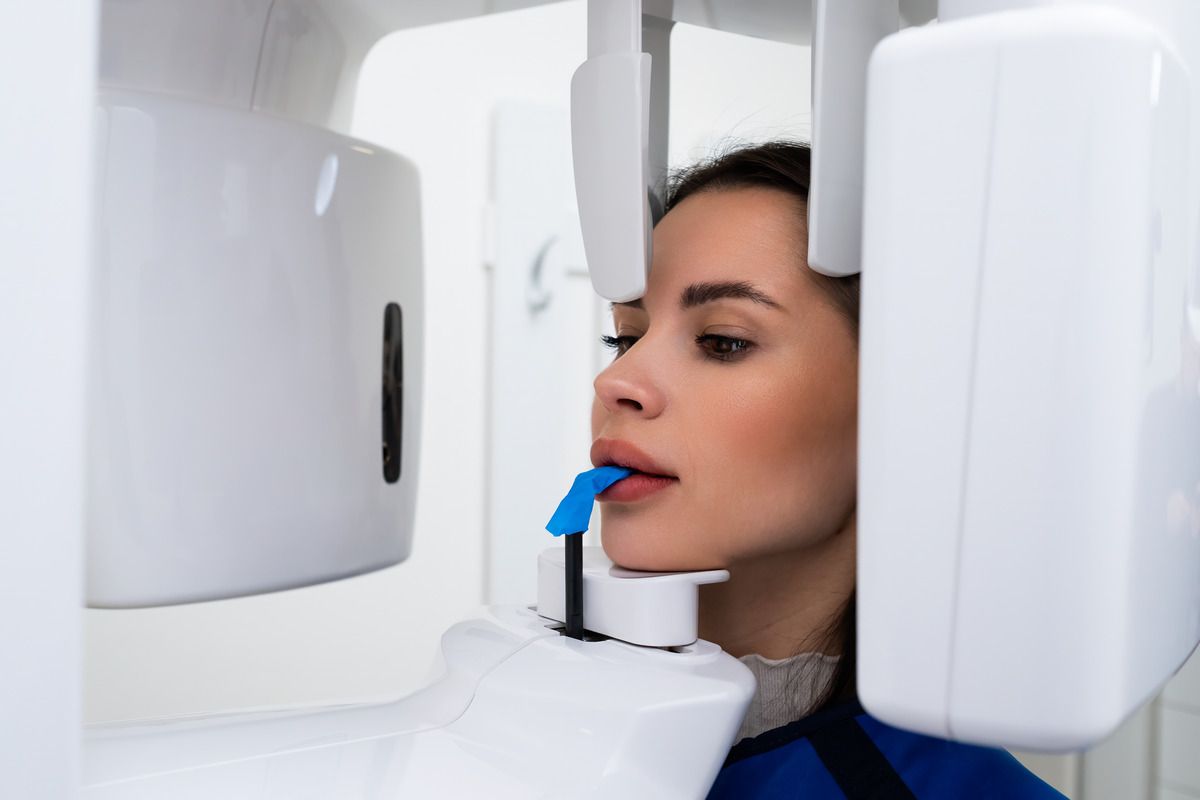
pixel 844 752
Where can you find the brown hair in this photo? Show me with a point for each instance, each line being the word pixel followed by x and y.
pixel 787 167
pixel 781 165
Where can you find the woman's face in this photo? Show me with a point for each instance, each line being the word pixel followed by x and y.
pixel 735 378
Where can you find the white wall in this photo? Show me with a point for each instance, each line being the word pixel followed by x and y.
pixel 1176 736
pixel 47 56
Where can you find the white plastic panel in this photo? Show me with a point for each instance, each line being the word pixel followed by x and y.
pixel 204 51
pixel 117 753
pixel 845 34
pixel 1073 527
pixel 312 53
pixel 506 718
pixel 610 129
pixel 952 10
pixel 244 265
pixel 916 334
pixel 614 26
pixel 1084 435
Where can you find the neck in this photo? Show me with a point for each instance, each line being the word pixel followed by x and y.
pixel 780 604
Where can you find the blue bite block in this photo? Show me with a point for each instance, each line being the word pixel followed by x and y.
pixel 576 508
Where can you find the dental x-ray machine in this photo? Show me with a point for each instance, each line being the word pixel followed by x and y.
pixel 1018 183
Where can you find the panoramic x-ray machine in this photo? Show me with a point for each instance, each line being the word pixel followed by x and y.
pixel 1018 182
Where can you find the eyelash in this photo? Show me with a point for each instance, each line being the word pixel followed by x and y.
pixel 733 348
pixel 619 344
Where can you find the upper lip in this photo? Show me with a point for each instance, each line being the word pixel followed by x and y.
pixel 615 452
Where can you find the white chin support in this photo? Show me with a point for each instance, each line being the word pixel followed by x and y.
pixel 654 609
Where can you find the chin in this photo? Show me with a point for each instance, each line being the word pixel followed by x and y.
pixel 627 549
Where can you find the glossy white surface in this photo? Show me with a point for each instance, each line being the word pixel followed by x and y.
pixel 205 51
pixel 505 718
pixel 312 52
pixel 610 141
pixel 844 36
pixel 1028 513
pixel 300 59
pixel 610 127
pixel 904 665
pixel 615 600
pixel 243 267
pixel 47 56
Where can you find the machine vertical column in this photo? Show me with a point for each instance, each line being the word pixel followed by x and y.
pixel 656 40
pixel 47 80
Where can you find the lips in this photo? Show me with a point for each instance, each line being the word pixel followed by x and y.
pixel 637 486
pixel 648 479
pixel 618 453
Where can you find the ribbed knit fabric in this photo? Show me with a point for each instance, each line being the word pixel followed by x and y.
pixel 787 689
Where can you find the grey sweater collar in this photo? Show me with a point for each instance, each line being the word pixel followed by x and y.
pixel 787 689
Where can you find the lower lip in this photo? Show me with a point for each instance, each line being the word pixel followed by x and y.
pixel 635 487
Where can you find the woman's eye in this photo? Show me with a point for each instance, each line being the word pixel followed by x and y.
pixel 723 348
pixel 619 344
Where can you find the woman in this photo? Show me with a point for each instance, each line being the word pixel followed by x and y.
pixel 733 394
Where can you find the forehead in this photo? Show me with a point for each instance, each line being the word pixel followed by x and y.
pixel 757 235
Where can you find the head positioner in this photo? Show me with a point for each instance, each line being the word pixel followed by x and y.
pixel 571 518
pixel 619 126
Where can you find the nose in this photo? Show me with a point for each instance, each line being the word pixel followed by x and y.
pixel 629 386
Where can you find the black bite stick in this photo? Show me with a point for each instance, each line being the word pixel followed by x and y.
pixel 573 569
pixel 571 520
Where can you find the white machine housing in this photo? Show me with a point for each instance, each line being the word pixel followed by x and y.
pixel 245 271
pixel 513 710
pixel 246 251
pixel 1029 498
pixel 1025 184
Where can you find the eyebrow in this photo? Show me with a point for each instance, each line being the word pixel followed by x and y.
pixel 700 293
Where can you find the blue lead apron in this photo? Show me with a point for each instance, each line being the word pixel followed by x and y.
pixel 843 753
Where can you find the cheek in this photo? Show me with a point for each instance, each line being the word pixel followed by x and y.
pixel 598 414
pixel 770 467
pixel 781 468
pixel 768 458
